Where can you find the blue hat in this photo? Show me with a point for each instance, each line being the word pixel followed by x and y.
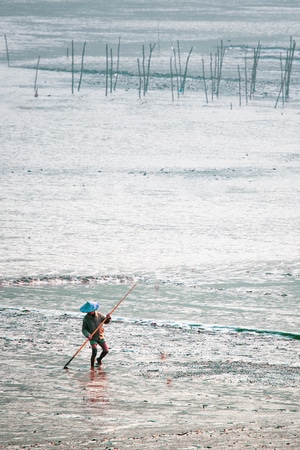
pixel 89 307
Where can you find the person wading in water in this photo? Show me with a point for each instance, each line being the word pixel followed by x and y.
pixel 91 321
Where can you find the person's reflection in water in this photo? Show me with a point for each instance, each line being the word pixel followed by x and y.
pixel 96 388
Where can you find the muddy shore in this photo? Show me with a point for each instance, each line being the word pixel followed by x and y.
pixel 159 387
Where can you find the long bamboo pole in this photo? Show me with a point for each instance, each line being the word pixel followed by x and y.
pixel 94 332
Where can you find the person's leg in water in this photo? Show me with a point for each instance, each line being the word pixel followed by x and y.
pixel 104 352
pixel 94 354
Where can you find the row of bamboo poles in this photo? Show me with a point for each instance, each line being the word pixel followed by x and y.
pixel 179 71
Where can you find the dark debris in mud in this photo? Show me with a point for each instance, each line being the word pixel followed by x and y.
pixel 229 371
pixel 234 437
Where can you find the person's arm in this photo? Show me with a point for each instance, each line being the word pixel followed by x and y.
pixel 105 319
pixel 85 330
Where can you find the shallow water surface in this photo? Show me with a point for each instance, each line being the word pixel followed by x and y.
pixel 193 195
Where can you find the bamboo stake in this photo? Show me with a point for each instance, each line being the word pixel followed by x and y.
pixel 158 37
pixel 240 95
pixel 221 53
pixel 118 64
pixel 286 73
pixel 35 81
pixel 72 66
pixel 179 62
pixel 282 84
pixel 144 70
pixel 256 56
pixel 148 68
pixel 212 78
pixel 106 71
pixel 140 77
pixel 280 92
pixel 94 332
pixel 176 71
pixel 185 71
pixel 281 68
pixel 215 72
pixel 204 81
pixel 81 71
pixel 290 58
pixel 111 71
pixel 7 52
pixel 246 80
pixel 171 74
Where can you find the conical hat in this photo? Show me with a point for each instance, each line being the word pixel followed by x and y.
pixel 89 307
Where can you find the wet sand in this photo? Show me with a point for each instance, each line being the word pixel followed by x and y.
pixel 160 387
pixel 270 437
